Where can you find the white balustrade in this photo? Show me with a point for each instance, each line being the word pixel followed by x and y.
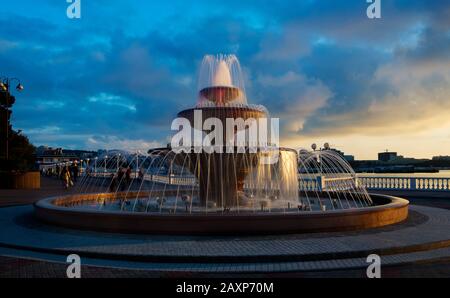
pixel 322 183
pixel 171 180
pixel 405 183
pixel 327 183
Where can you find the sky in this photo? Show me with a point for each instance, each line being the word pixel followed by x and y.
pixel 116 78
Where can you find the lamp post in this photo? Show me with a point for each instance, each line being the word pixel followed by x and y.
pixel 95 165
pixel 5 86
pixel 319 159
pixel 137 161
pixel 106 158
pixel 118 158
pixel 86 166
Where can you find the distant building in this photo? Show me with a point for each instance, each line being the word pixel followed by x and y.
pixel 441 158
pixel 81 154
pixel 335 151
pixel 47 157
pixel 349 158
pixel 387 156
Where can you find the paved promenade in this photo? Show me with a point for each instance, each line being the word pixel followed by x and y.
pixel 422 263
pixel 12 267
pixel 49 187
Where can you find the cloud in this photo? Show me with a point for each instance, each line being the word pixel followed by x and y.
pixel 111 143
pixel 290 44
pixel 322 67
pixel 292 96
pixel 113 100
pixel 409 93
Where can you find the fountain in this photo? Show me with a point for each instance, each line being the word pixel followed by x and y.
pixel 233 189
pixel 221 174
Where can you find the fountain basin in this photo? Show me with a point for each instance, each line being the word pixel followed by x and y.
pixel 387 210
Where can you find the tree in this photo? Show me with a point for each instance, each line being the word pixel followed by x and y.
pixel 21 153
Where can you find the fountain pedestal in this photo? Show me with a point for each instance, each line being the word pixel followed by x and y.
pixel 221 175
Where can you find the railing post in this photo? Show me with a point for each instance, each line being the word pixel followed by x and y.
pixel 320 183
pixel 412 183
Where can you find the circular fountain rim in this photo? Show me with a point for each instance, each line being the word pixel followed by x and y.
pixel 390 210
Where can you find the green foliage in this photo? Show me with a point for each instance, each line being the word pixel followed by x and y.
pixel 21 151
pixel 6 99
pixel 21 154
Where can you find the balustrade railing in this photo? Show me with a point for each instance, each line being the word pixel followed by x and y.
pixel 405 183
pixel 323 183
pixel 171 180
pixel 320 183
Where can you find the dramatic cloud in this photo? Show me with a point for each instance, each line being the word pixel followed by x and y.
pixel 410 92
pixel 118 76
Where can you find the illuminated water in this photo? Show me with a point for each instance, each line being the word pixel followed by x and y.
pixel 175 182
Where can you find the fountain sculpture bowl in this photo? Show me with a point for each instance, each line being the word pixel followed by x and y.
pixel 223 180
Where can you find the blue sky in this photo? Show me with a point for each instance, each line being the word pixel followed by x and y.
pixel 117 77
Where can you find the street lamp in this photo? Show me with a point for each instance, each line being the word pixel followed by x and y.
pixel 19 87
pixel 86 166
pixel 5 84
pixel 106 157
pixel 137 161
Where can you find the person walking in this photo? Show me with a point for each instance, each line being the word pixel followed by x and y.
pixel 141 175
pixel 128 177
pixel 67 179
pixel 119 179
pixel 113 185
pixel 75 171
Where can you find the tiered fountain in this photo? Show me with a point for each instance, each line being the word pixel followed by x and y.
pixel 195 192
pixel 221 176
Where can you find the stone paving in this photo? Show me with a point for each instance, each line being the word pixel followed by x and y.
pixel 425 225
pixel 49 187
pixel 20 229
pixel 13 267
pixel 250 254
